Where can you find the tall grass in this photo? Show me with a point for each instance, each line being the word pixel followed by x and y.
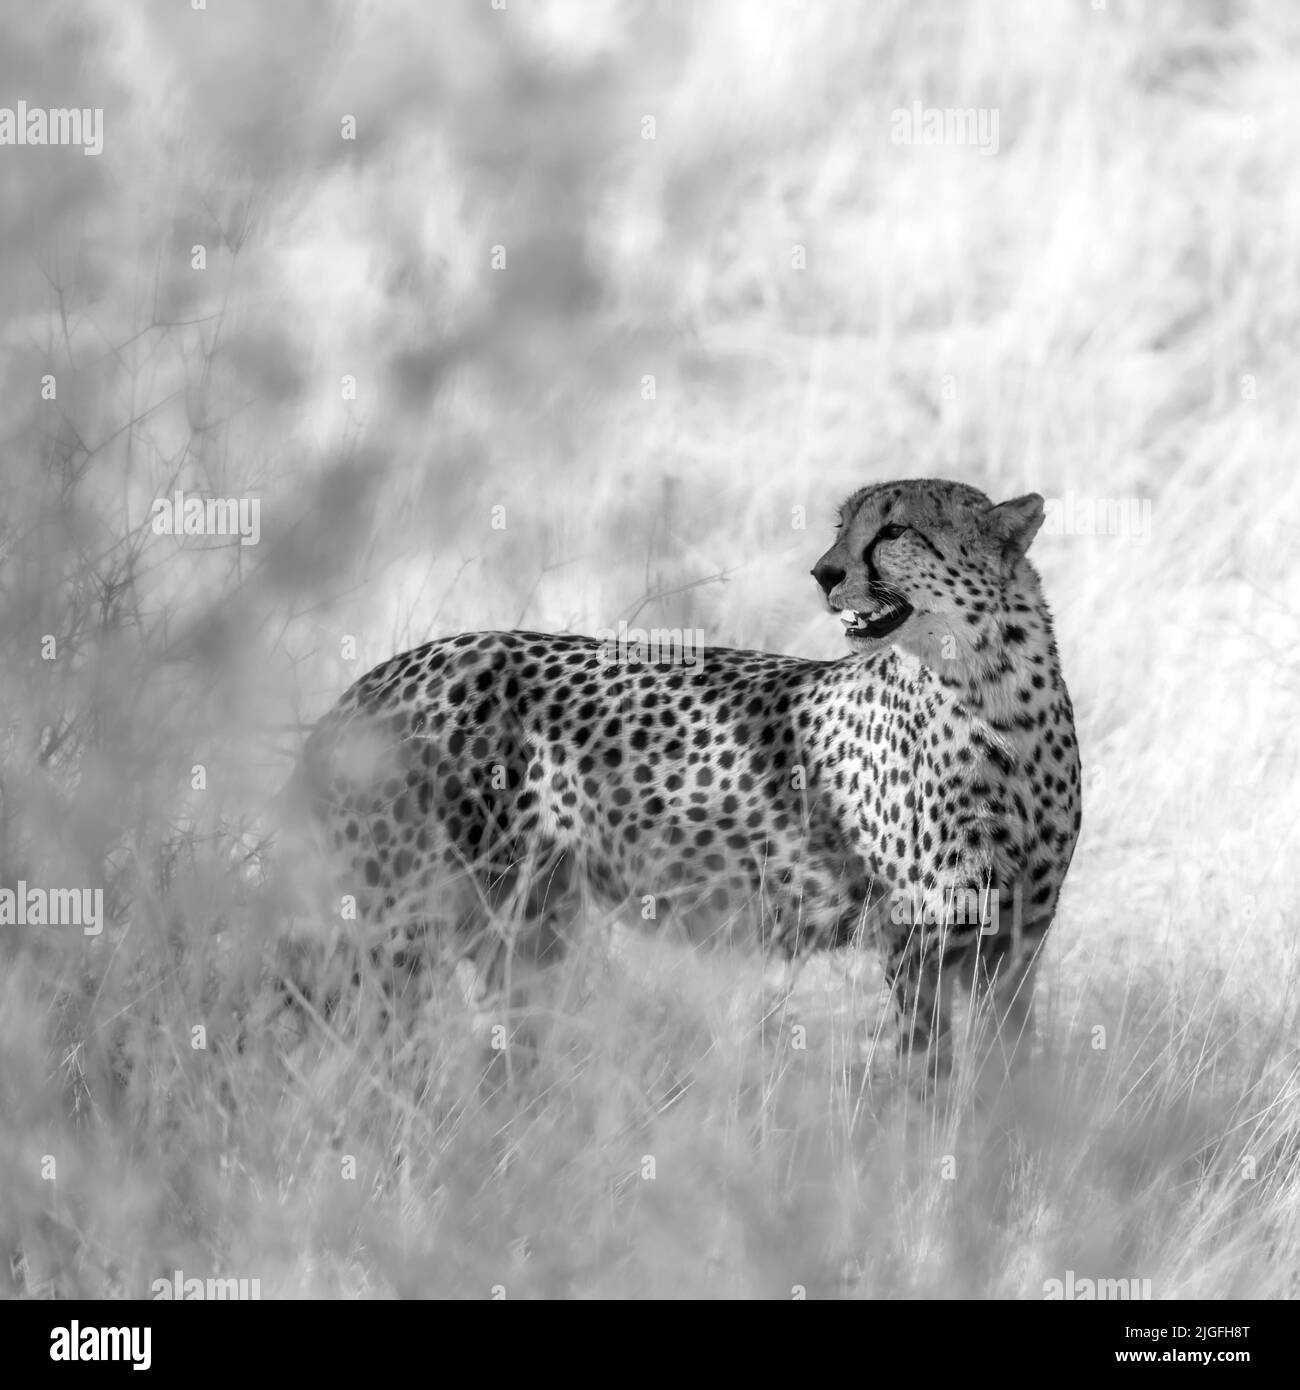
pixel 697 345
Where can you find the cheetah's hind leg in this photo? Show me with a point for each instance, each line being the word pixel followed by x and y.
pixel 780 974
pixel 520 930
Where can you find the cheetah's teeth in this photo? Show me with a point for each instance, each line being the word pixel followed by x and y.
pixel 878 622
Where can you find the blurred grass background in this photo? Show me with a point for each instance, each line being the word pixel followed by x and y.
pixel 696 342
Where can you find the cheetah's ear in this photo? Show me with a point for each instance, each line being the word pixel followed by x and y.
pixel 1014 524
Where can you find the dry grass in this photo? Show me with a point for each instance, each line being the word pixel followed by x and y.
pixel 1104 308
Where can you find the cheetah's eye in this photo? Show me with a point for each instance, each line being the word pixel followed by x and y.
pixel 891 532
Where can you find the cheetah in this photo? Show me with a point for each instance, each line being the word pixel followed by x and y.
pixel 921 793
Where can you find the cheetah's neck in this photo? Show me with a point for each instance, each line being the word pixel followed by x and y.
pixel 1002 672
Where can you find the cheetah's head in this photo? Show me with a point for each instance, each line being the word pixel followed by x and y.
pixel 925 562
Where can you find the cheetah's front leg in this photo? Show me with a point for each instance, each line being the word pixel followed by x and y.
pixel 999 977
pixel 915 975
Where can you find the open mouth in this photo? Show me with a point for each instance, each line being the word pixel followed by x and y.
pixel 880 622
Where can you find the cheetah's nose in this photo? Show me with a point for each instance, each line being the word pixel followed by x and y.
pixel 828 576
